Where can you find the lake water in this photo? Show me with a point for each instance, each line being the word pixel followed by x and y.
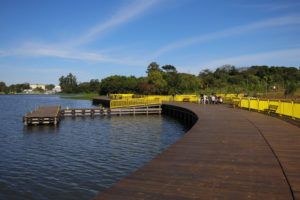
pixel 79 158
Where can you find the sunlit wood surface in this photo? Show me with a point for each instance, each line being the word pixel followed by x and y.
pixel 228 154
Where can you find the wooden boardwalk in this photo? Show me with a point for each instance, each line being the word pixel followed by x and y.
pixel 228 154
pixel 43 115
pixel 136 110
pixel 104 101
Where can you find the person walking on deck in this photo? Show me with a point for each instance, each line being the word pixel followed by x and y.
pixel 213 99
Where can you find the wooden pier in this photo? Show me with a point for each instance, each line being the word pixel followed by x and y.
pixel 104 101
pixel 227 154
pixel 43 115
pixel 53 114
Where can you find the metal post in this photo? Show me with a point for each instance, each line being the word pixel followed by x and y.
pixel 249 104
pixel 279 105
pixel 293 117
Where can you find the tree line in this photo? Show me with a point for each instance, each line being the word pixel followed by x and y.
pixel 19 88
pixel 254 79
pixel 167 80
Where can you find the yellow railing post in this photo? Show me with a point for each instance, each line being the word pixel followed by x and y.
pixel 249 103
pixel 293 113
pixel 279 105
pixel 240 104
pixel 258 105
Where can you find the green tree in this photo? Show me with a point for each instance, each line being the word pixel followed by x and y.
pixel 189 83
pixel 3 87
pixel 84 87
pixel 49 87
pixel 119 84
pixel 18 88
pixel 68 84
pixel 156 78
pixel 94 85
pixel 145 87
pixel 39 90
pixel 208 78
pixel 153 66
pixel 172 79
pixel 169 68
pixel 290 89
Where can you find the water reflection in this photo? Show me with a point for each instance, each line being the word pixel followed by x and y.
pixel 41 129
pixel 81 156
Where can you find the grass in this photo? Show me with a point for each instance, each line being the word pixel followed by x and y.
pixel 81 96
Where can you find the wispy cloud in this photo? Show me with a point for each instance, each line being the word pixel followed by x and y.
pixel 31 49
pixel 3 53
pixel 287 57
pixel 269 58
pixel 70 49
pixel 123 15
pixel 279 21
pixel 271 6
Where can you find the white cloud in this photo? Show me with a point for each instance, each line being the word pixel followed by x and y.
pixel 54 51
pixel 287 57
pixel 281 57
pixel 125 14
pixel 3 53
pixel 279 21
pixel 271 6
pixel 68 50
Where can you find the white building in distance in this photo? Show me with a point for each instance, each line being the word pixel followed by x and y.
pixel 57 89
pixel 34 86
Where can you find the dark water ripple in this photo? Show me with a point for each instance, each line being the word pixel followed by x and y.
pixel 78 159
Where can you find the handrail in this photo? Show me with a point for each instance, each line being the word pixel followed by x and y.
pixel 290 109
pixel 133 102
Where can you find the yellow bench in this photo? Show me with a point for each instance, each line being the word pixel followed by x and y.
pixel 271 109
pixel 235 103
pixel 186 100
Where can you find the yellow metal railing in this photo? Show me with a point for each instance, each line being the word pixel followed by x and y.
pixel 290 109
pixel 189 98
pixel 139 100
pixel 133 102
pixel 168 98
pixel 121 96
pixel 284 108
pixel 229 95
pixel 159 97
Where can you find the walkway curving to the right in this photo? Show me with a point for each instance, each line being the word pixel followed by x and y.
pixel 284 140
pixel 228 154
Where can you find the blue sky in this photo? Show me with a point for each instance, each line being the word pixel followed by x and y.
pixel 43 40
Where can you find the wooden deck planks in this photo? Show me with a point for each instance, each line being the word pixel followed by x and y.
pixel 284 139
pixel 43 115
pixel 223 156
pixel 52 114
pixel 45 111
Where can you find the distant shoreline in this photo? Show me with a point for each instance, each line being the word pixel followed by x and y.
pixel 81 96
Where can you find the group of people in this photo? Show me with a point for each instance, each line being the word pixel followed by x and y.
pixel 212 99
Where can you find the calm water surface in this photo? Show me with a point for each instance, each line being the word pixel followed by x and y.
pixel 79 158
